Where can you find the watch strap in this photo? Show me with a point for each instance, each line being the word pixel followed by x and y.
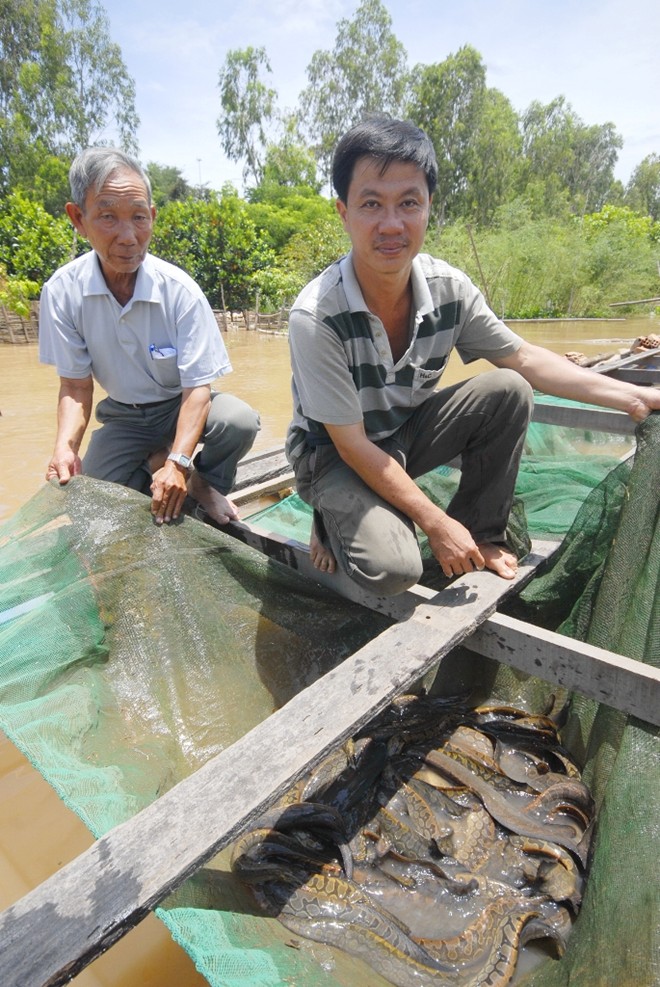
pixel 181 460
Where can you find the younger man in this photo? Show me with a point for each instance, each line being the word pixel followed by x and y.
pixel 370 338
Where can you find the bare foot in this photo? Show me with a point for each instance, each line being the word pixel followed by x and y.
pixel 321 556
pixel 216 505
pixel 500 559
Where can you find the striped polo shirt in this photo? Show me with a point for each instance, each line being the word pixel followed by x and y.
pixel 343 371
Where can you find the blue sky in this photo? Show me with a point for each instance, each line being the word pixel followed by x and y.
pixel 602 55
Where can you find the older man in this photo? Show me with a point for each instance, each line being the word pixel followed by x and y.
pixel 143 329
pixel 370 338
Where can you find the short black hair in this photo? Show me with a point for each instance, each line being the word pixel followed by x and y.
pixel 386 140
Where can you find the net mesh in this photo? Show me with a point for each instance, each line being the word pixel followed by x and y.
pixel 115 633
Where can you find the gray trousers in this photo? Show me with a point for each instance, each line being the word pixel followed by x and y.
pixel 483 421
pixel 118 451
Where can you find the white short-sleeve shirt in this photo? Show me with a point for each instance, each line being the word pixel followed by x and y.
pixel 165 338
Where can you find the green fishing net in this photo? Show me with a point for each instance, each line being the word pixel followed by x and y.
pixel 559 468
pixel 131 654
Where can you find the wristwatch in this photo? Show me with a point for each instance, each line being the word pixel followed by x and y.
pixel 181 460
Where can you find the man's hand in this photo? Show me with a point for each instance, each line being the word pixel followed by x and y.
pixel 169 490
pixel 63 466
pixel 646 400
pixel 74 407
pixel 169 485
pixel 454 547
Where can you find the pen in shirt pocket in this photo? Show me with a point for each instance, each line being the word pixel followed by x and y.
pixel 161 352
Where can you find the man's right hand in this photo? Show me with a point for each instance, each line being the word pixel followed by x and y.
pixel 63 467
pixel 457 553
pixel 454 547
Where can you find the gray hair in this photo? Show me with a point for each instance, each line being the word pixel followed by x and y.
pixel 93 166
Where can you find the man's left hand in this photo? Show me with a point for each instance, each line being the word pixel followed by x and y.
pixel 169 490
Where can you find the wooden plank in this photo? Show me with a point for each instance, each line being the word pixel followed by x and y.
pixel 295 555
pixel 269 471
pixel 590 419
pixel 638 359
pixel 642 367
pixel 636 375
pixel 90 903
pixel 266 488
pixel 627 685
pixel 261 467
pixel 638 301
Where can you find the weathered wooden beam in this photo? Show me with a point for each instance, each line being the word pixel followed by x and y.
pixel 590 419
pixel 267 488
pixel 295 555
pixel 641 376
pixel 90 903
pixel 261 467
pixel 627 685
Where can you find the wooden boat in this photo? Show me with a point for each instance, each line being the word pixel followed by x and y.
pixel 136 865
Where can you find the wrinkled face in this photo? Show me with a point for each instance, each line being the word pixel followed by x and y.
pixel 117 221
pixel 385 215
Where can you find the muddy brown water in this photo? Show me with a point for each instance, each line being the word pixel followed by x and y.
pixel 38 834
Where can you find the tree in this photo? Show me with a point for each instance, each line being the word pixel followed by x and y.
pixel 643 190
pixel 564 154
pixel 63 86
pixel 310 250
pixel 365 73
pixel 217 243
pixel 447 102
pixel 98 95
pixel 288 163
pixel 496 160
pixel 248 105
pixel 281 212
pixel 33 243
pixel 167 184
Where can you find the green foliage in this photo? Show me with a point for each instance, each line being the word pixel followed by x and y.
pixel 447 101
pixel 97 93
pixel 288 163
pixel 33 244
pixel 64 87
pixel 307 253
pixel 537 267
pixel 167 184
pixel 217 243
pixel 280 212
pixel 247 104
pixel 623 253
pixel 643 191
pixel 496 161
pixel 50 185
pixel 365 73
pixel 15 293
pixel 561 153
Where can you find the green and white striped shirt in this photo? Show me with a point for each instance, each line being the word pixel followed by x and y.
pixel 343 371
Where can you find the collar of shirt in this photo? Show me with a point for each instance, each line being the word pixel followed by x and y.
pixel 422 301
pixel 145 284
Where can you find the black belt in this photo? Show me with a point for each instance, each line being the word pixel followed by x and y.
pixel 313 440
pixel 147 404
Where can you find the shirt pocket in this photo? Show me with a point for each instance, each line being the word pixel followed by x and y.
pixel 164 366
pixel 424 383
